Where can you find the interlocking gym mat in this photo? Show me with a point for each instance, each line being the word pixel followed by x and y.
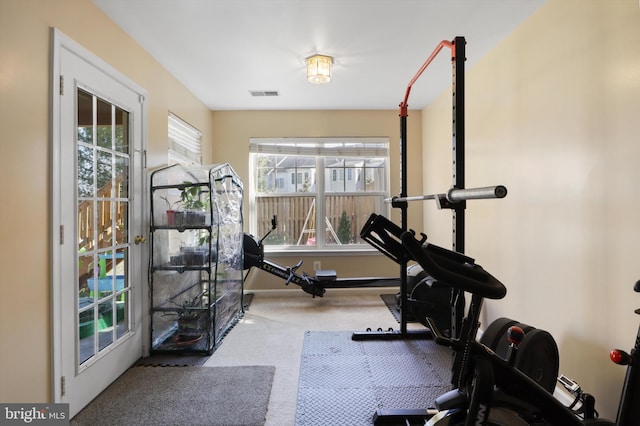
pixel 343 382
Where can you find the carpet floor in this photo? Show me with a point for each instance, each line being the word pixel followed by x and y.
pixel 213 396
pixel 343 381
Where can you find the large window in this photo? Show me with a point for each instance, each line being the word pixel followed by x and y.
pixel 322 190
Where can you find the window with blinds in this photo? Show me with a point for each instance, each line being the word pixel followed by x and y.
pixel 185 146
pixel 322 190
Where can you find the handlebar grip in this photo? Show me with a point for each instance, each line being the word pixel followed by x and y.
pixel 296 266
pixel 486 192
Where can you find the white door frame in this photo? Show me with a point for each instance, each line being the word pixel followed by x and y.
pixel 60 41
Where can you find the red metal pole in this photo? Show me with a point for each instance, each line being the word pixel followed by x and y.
pixel 443 43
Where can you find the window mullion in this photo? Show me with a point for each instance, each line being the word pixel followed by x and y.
pixel 320 203
pixel 253 189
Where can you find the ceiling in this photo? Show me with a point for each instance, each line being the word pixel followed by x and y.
pixel 221 50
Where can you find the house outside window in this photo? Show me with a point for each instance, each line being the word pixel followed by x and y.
pixel 322 190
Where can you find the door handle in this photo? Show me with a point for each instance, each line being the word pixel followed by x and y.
pixel 139 239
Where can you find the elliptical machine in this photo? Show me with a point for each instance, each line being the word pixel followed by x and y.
pixel 489 390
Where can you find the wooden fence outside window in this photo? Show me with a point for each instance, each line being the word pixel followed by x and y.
pixel 296 214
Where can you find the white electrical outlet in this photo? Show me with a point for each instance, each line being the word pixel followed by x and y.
pixel 317 265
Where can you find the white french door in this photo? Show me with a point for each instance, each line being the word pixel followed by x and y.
pixel 98 211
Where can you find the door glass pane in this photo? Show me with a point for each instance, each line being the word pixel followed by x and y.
pixel 106 280
pixel 85 117
pixel 86 329
pixel 122 314
pixel 105 324
pixel 122 177
pixel 122 131
pixel 85 226
pixel 105 173
pixel 122 221
pixel 85 275
pixel 103 225
pixel 104 124
pixel 85 171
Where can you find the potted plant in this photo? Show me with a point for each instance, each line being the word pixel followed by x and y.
pixel 194 255
pixel 191 199
pixel 201 253
pixel 191 321
pixel 171 212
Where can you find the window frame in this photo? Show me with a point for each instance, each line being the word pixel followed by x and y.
pixel 351 147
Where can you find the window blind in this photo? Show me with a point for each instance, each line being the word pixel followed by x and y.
pixel 336 147
pixel 185 142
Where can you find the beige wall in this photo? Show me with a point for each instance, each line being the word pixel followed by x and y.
pixel 553 114
pixel 24 129
pixel 25 354
pixel 232 130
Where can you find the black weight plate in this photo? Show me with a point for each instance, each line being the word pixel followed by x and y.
pixel 537 353
pixel 538 358
pixel 495 336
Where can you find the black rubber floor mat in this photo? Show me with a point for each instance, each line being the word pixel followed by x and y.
pixel 392 304
pixel 173 360
pixel 343 382
pixel 390 301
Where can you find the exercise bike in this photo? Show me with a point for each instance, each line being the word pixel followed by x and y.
pixel 489 390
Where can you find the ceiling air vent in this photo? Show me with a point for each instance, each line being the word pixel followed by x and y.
pixel 264 92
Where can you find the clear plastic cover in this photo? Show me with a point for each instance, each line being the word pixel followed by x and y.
pixel 196 256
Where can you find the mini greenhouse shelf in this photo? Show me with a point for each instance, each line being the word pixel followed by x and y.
pixel 196 235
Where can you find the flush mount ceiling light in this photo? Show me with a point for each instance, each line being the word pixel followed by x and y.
pixel 319 69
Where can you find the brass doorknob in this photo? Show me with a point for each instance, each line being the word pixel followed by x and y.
pixel 139 239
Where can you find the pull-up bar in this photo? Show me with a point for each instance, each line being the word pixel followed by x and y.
pixel 444 43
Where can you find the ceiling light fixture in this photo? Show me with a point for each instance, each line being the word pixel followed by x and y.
pixel 319 69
